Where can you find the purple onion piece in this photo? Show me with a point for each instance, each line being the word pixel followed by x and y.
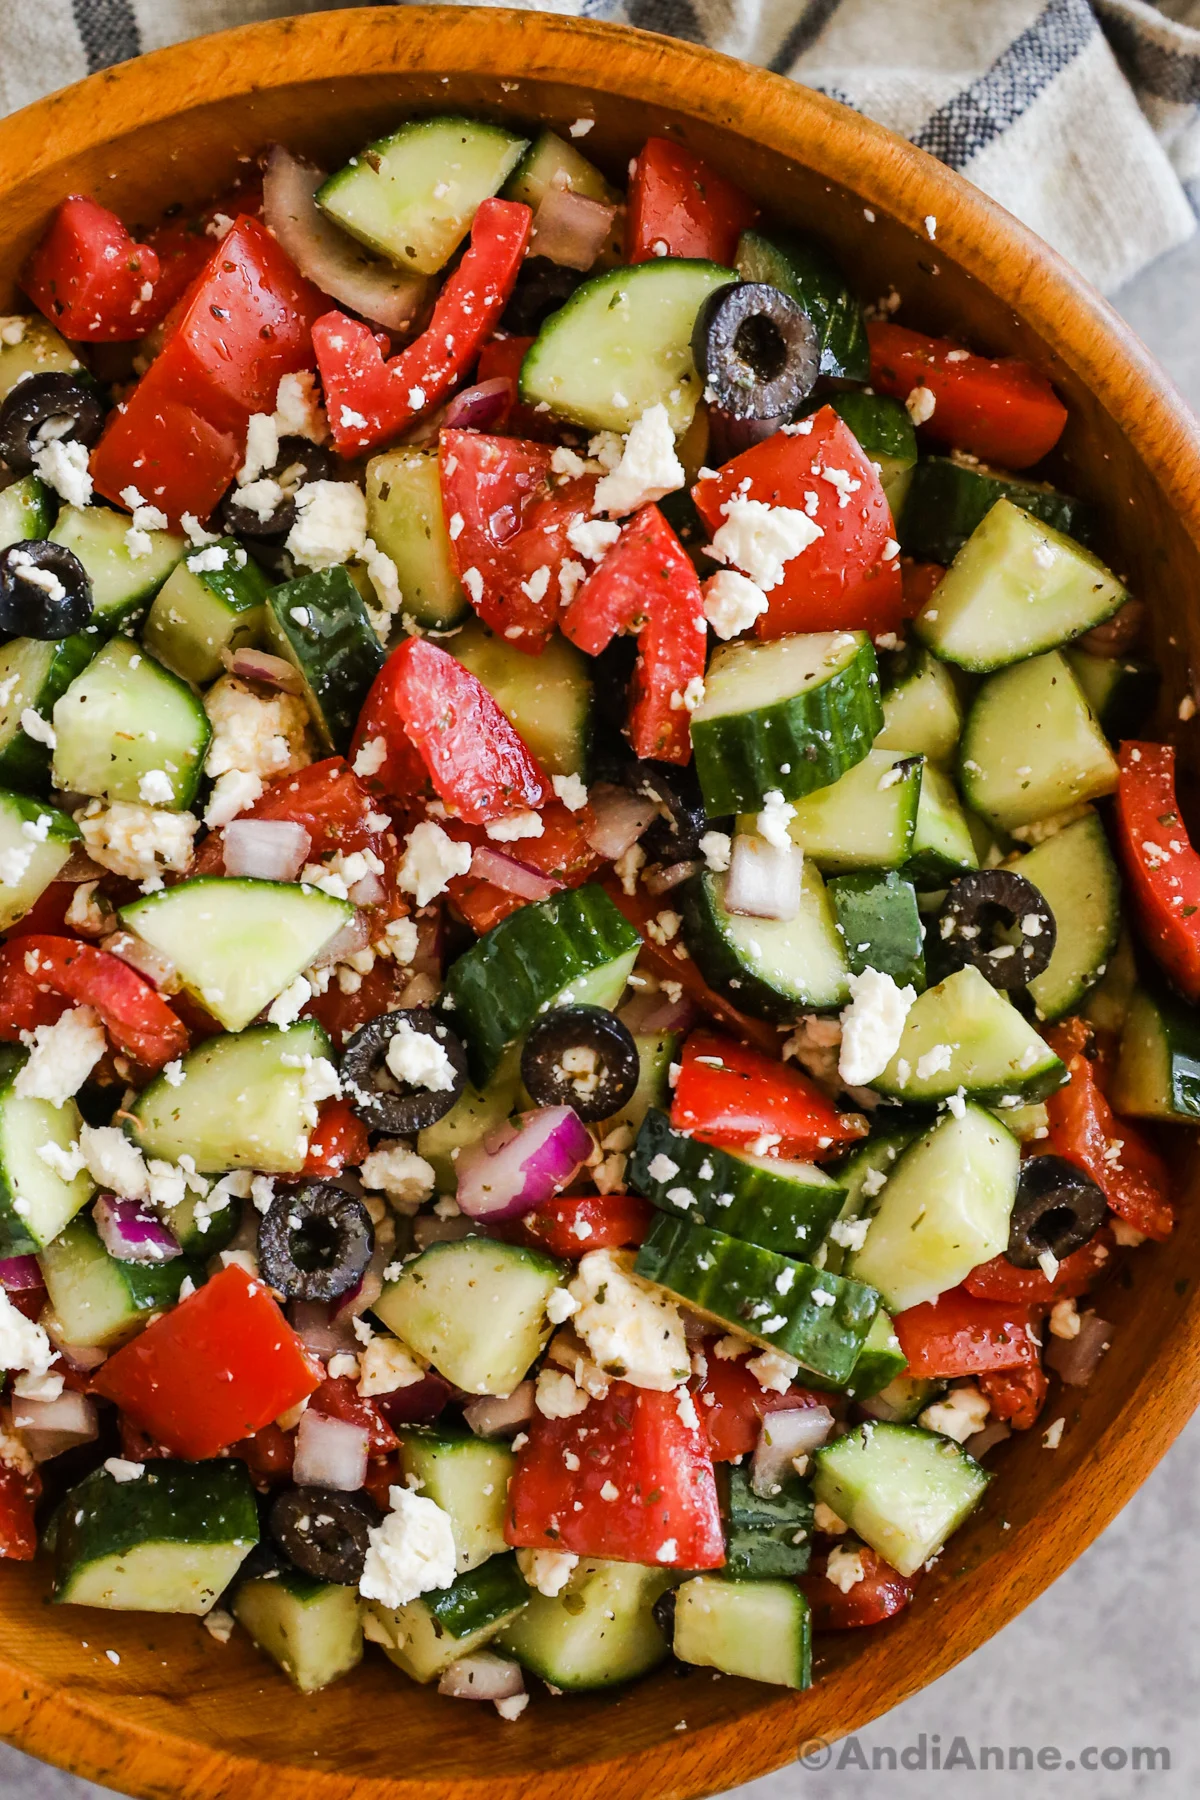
pixel 131 1233
pixel 1075 1360
pixel 522 1163
pixel 475 408
pixel 18 1274
pixel 513 877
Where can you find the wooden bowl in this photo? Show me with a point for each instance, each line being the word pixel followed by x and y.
pixel 180 1716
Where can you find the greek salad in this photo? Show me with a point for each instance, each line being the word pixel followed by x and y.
pixel 593 957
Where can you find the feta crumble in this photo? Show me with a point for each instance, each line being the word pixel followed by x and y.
pixel 648 469
pixel 630 1329
pixel 412 1552
pixel 61 1057
pixel 331 524
pixel 761 540
pixel 732 602
pixel 431 860
pixel 872 1025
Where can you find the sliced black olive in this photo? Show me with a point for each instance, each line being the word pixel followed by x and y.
pixel 583 1057
pixel 324 1531
pixel 383 1098
pixel 299 461
pixel 540 289
pixel 759 352
pixel 675 835
pixel 72 406
pixel 1058 1208
pixel 45 591
pixel 314 1241
pixel 975 906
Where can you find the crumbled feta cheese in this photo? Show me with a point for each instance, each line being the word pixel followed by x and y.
pixel 921 404
pixel 232 793
pixel 732 602
pixel 571 790
pixel 556 1395
pixel 155 788
pixel 12 329
pixel 431 860
pixel 410 1553
pixel 761 540
pixel 331 524
pixel 773 1370
pixel 561 1305
pixel 934 1062
pixel 23 1343
pixel 371 757
pixel 716 847
pixel 416 1058
pixel 263 736
pixel 851 1234
pixel 386 1365
pixel 1052 1438
pixel 772 822
pixel 592 538
pixel 661 1168
pixel 123 1470
pixel 61 1057
pixel 113 1162
pixel 416 398
pixel 64 467
pixel 547 1571
pixel 872 1025
pixel 826 1520
pixel 1065 1321
pixel 39 729
pixel 262 448
pixel 667 1552
pixel 959 1415
pixel 930 226
pixel 581 127
pixel 298 409
pixel 690 697
pixel 33 575
pixel 286 1008
pixel 627 866
pixel 515 825
pixel 844 1568
pixel 630 1329
pixel 648 469
pixel 395 1170
pixel 402 939
pixel 385 579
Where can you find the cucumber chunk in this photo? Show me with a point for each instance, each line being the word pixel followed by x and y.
pixel 35 1200
pixel 656 1053
pixel 623 343
pixel 772 968
pixel 550 162
pixel 312 1629
pixel 759 1629
pixel 922 713
pixel 124 718
pixel 860 1172
pixel 412 195
pixel 33 674
pixel 1078 876
pixel 475 1309
pixel 1158 1070
pixel 1120 691
pixel 944 1209
pixel 765 1295
pixel 430 1633
pixel 1015 588
pixel 864 821
pixel 881 1360
pixel 600 1630
pixel 123 584
pixel 206 1230
pixel 877 919
pixel 1032 746
pixel 169 1541
pixel 805 272
pixel 471 1117
pixel 790 716
pixel 242 1103
pixel 942 844
pixel 964 1034
pixel 884 432
pixel 786 1206
pixel 948 500
pixel 902 1399
pixel 405 519
pixel 200 612
pixel 319 623
pixel 35 842
pixel 1107 1005
pixel 39 351
pixel 237 943
pixel 98 1300
pixel 468 1477
pixel 766 1537
pixel 552 711
pixel 25 511
pixel 575 949
pixel 902 1489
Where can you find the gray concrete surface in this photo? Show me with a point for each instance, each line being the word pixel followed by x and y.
pixel 1104 1665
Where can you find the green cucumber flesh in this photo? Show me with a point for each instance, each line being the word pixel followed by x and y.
pixel 35 842
pixel 943 1210
pixel 785 1206
pixel 922 712
pixel 98 1300
pixel 948 499
pixel 1158 1068
pixel 549 700
pixel 902 1489
pixel 972 1038
pixel 902 1399
pixel 237 943
pixel 1121 691
pixel 942 844
pixel 34 673
pixel 656 1052
pixel 25 511
pixel 803 271
pixel 36 1202
pixel 1076 874
pixel 550 162
pixel 1107 1004
pixel 125 718
pixel 767 1296
pixel 599 1631
pixel 885 434
pixel 767 1537
pixel 771 968
pixel 475 1309
pixel 859 1173
pixel 311 1629
pixel 424 1637
pixel 788 716
pixel 170 1540
pixel 877 918
pixel 622 344
pixel 203 1230
pixel 471 1117
pixel 200 613
pixel 758 1629
pixel 468 1478
pixel 1032 746
pixel 241 1102
pixel 319 624
pixel 405 519
pixel 40 350
pixel 412 195
pixel 866 820
pixel 123 584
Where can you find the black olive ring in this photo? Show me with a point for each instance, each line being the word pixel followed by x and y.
pixel 597 1092
pixel 1058 1209
pixel 975 904
pixel 29 406
pixel 45 591
pixel 675 835
pixel 295 453
pixel 314 1241
pixel 382 1101
pixel 324 1532
pixel 759 352
pixel 540 289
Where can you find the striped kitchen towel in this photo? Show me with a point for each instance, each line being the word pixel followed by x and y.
pixel 1081 116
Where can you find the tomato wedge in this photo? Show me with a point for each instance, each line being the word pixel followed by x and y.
pixel 1016 1395
pixel 1161 867
pixel 879 1595
pixel 18 1530
pixel 1084 1129
pixel 338 1139
pixel 736 1097
pixel 678 206
pixel 997 408
pixel 89 277
pixel 958 1334
pixel 562 855
pixel 140 1023
pixel 1002 1280
pixel 338 1398
pixel 572 1224
pixel 732 1403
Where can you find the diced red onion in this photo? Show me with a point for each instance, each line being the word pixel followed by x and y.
pixel 618 819
pixel 993 1433
pixel 513 877
pixel 368 891
pixel 131 1233
pixel 648 1014
pixel 327 255
pixel 1075 1360
pixel 84 1357
pixel 314 1323
pixel 522 1163
pixel 265 849
pixel 728 436
pixel 569 229
pixel 260 665
pixel 663 877
pixel 764 881
pixel 795 1431
pixel 428 1229
pixel 354 935
pixel 330 1453
pixel 419 1404
pixel 480 407
pixel 157 969
pixel 422 990
pixel 80 867
pixel 19 1273
pixel 49 1427
pixel 491 1417
pixel 482 1676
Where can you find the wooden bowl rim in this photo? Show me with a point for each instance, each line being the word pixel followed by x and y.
pixel 96 1740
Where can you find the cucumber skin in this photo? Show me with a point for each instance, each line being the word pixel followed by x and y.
pixel 23 762
pixel 812 279
pixel 880 911
pixel 1159 1029
pixel 947 500
pixel 820 733
pixel 336 652
pixel 175 1502
pixel 718 963
pixel 760 1532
